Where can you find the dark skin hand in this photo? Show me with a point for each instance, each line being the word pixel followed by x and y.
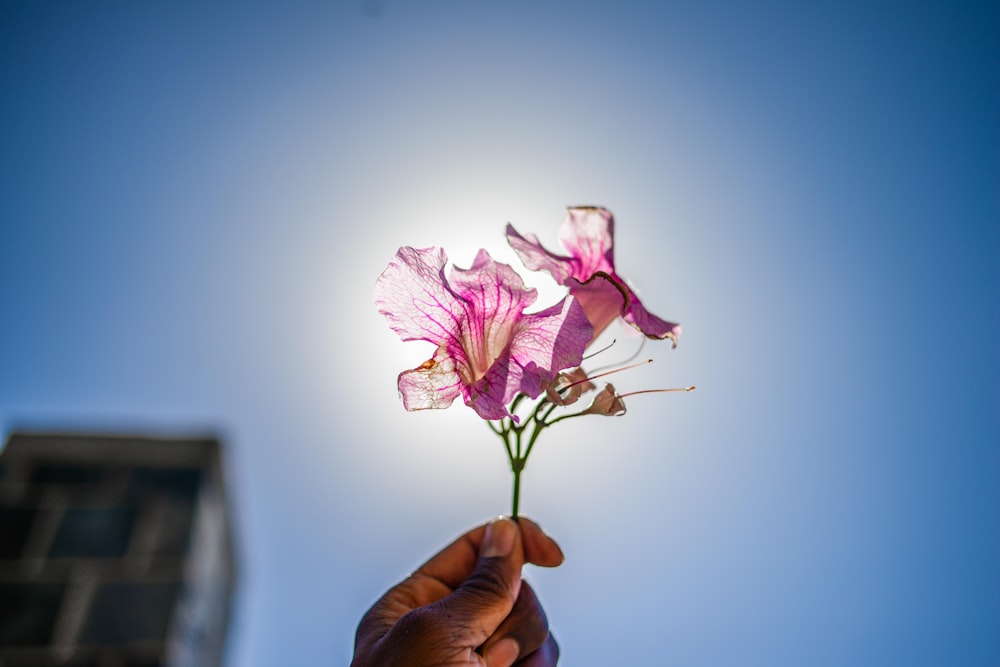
pixel 467 606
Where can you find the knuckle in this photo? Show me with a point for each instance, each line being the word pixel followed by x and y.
pixel 424 631
pixel 415 623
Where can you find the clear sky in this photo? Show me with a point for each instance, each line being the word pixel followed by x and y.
pixel 198 197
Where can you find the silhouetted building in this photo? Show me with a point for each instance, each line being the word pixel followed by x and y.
pixel 114 552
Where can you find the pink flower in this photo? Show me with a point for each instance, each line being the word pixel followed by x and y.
pixel 589 272
pixel 489 350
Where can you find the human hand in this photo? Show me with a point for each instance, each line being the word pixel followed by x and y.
pixel 466 607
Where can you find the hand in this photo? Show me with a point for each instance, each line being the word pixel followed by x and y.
pixel 466 607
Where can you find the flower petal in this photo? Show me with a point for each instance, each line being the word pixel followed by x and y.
pixel 542 344
pixel 413 296
pixel 537 258
pixel 603 298
pixel 588 233
pixel 433 384
pixel 650 324
pixel 494 392
pixel 589 273
pixel 550 341
pixel 493 297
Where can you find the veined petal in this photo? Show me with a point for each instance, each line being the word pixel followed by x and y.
pixel 494 298
pixel 542 344
pixel 550 341
pixel 494 392
pixel 537 258
pixel 432 384
pixel 413 295
pixel 588 233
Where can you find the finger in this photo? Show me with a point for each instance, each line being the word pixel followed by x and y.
pixel 481 603
pixel 546 656
pixel 539 548
pixel 522 633
pixel 453 564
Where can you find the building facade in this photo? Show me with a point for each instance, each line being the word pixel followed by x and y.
pixel 115 551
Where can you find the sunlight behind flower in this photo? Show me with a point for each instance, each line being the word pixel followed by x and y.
pixel 408 450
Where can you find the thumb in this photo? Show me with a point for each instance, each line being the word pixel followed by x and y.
pixel 481 602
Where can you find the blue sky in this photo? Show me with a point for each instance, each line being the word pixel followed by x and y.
pixel 198 198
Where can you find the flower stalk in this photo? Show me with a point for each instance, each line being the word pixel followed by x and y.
pixel 512 432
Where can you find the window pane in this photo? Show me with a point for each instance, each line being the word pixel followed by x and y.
pixel 178 483
pixel 93 533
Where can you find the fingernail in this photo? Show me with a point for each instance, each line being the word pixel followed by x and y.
pixel 504 652
pixel 499 538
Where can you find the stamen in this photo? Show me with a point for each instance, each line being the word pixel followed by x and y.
pixel 638 350
pixel 603 349
pixel 656 391
pixel 600 375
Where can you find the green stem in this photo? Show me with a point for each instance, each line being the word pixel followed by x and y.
pixel 534 436
pixel 569 416
pixel 517 466
pixel 517 454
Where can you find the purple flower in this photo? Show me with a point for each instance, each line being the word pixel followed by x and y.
pixel 589 272
pixel 489 350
